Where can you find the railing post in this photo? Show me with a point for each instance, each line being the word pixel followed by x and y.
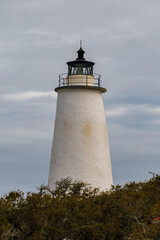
pixel 86 80
pixel 68 80
pixel 59 81
pixel 98 81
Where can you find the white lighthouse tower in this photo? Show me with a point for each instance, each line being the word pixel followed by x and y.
pixel 80 147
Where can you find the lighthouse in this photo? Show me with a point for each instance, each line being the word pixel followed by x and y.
pixel 80 148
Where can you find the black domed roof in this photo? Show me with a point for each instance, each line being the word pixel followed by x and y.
pixel 80 59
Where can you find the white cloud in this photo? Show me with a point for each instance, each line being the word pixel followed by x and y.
pixel 36 32
pixel 133 108
pixel 53 36
pixel 19 135
pixel 156 122
pixel 154 110
pixel 9 44
pixel 96 31
pixel 4 63
pixel 23 96
pixel 119 111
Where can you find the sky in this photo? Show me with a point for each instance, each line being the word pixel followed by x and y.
pixel 37 38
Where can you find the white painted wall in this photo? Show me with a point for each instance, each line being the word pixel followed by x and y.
pixel 80 146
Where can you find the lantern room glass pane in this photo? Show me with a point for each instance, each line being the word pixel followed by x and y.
pixel 80 69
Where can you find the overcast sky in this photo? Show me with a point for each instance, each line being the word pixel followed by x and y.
pixel 37 38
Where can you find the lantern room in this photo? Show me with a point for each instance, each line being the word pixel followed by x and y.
pixel 80 66
pixel 80 74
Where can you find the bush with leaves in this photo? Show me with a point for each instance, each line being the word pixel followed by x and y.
pixel 75 211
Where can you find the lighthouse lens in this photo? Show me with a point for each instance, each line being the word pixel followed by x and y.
pixel 80 69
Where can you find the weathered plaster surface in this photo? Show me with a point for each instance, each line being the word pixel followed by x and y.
pixel 80 146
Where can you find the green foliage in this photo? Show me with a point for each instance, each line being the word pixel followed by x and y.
pixel 75 211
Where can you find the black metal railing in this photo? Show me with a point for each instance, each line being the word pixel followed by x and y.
pixel 64 80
